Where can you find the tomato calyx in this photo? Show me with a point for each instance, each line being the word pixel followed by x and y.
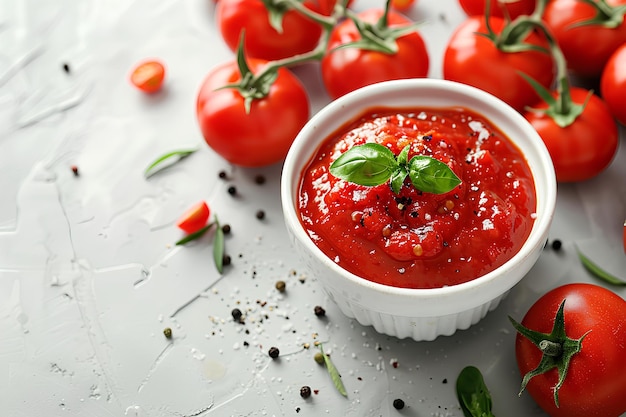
pixel 607 16
pixel 557 350
pixel 379 36
pixel 562 109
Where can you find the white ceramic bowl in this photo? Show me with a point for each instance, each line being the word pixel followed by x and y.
pixel 422 314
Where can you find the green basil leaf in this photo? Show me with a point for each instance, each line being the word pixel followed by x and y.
pixel 397 179
pixel 195 235
pixel 166 160
pixel 403 157
pixel 369 164
pixel 334 374
pixel 598 272
pixel 218 247
pixel 473 394
pixel 431 175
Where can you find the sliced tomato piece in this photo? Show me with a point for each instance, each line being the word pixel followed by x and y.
pixel 148 76
pixel 195 218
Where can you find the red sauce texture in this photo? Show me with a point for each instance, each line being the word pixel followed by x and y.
pixel 415 239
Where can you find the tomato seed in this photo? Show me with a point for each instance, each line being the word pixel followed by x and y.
pixel 319 311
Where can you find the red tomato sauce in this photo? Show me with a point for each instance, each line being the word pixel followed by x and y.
pixel 415 239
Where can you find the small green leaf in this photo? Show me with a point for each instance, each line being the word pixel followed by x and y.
pixel 218 247
pixel 598 272
pixel 473 394
pixel 167 160
pixel 431 175
pixel 369 164
pixel 195 235
pixel 397 179
pixel 334 373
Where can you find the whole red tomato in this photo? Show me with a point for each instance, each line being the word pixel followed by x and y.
pixel 473 59
pixel 498 8
pixel 595 382
pixel 347 69
pixel 262 136
pixel 613 84
pixel 586 47
pixel 584 148
pixel 299 34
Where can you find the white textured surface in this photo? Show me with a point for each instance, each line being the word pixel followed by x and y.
pixel 89 276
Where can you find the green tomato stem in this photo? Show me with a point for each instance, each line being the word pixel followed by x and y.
pixel 550 348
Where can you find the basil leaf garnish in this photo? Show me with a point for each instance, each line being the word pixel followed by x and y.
pixel 373 164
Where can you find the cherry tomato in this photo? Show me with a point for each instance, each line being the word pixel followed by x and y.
pixel 264 135
pixel 195 218
pixel 299 33
pixel 613 84
pixel 586 147
pixel 473 59
pixel 148 76
pixel 402 5
pixel 498 8
pixel 327 7
pixel 348 69
pixel 586 47
pixel 595 381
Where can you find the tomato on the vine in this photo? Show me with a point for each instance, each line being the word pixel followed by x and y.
pixel 264 134
pixel 584 148
pixel 587 35
pixel 296 33
pixel 148 76
pixel 498 8
pixel 402 5
pixel 327 7
pixel 194 218
pixel 349 68
pixel 613 84
pixel 474 59
pixel 580 328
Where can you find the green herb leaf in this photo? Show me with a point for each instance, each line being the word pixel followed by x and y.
pixel 431 175
pixel 218 247
pixel 195 235
pixel 369 164
pixel 473 394
pixel 598 272
pixel 334 373
pixel 167 160
pixel 373 164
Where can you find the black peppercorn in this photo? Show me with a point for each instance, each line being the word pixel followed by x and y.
pixel 305 391
pixel 236 313
pixel 259 179
pixel 260 214
pixel 167 332
pixel 280 286
pixel 226 260
pixel 398 404
pixel 222 174
pixel 273 352
pixel 232 190
pixel 556 244
pixel 226 228
pixel 319 311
